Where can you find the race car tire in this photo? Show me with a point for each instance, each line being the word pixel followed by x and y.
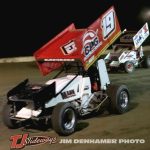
pixel 146 62
pixel 129 67
pixel 64 118
pixel 119 99
pixel 6 114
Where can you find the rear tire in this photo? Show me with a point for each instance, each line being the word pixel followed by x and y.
pixel 129 67
pixel 6 114
pixel 64 119
pixel 119 99
pixel 146 62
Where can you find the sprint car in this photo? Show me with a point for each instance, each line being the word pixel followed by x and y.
pixel 127 52
pixel 81 86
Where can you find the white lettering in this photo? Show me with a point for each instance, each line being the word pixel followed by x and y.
pixel 65 141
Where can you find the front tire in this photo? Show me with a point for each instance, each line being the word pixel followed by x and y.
pixel 119 99
pixel 6 114
pixel 129 67
pixel 64 119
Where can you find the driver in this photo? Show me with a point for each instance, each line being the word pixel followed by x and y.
pixel 93 74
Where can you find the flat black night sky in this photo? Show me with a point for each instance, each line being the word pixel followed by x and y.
pixel 26 26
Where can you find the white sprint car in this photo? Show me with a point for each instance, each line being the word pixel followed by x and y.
pixel 128 52
pixel 64 98
pixel 69 95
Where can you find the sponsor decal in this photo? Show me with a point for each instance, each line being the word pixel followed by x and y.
pixel 19 141
pixel 108 24
pixel 68 94
pixel 69 48
pixel 86 87
pixel 49 60
pixel 91 59
pixel 90 43
pixel 141 36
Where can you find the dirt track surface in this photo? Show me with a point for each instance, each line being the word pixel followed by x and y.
pixel 135 124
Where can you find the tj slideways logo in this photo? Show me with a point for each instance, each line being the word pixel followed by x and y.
pixel 19 141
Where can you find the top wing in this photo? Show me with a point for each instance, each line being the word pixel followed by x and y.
pixel 141 36
pixel 85 45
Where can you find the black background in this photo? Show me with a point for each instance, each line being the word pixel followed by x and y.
pixel 26 25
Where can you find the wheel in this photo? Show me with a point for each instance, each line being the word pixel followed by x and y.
pixel 64 119
pixel 129 67
pixel 119 98
pixel 146 62
pixel 6 114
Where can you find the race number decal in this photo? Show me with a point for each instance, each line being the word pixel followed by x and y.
pixel 69 48
pixel 108 24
